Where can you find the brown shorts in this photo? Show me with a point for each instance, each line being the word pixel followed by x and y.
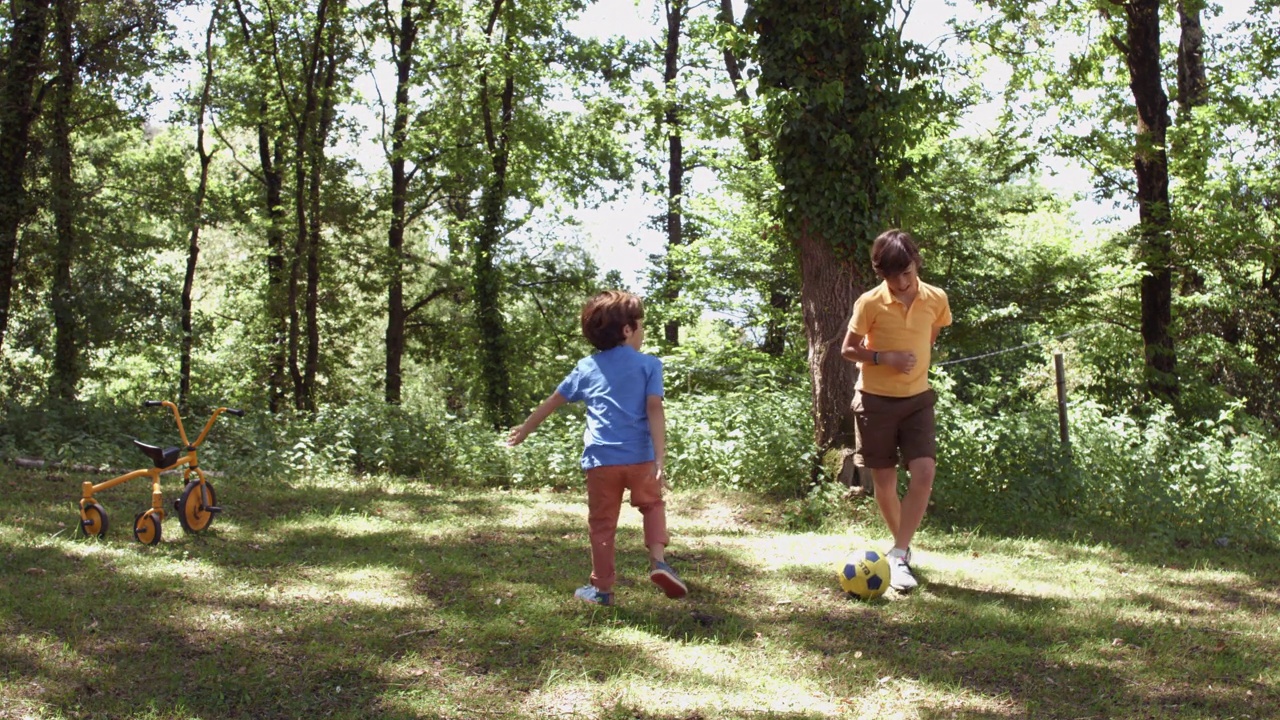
pixel 883 426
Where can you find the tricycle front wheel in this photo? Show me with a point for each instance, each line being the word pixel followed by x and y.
pixel 146 527
pixel 93 520
pixel 196 506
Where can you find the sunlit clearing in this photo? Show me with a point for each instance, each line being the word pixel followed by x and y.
pixel 178 571
pixel 338 525
pixel 775 552
pixel 716 678
pixel 367 586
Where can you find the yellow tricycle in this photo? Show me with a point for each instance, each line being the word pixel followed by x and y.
pixel 196 506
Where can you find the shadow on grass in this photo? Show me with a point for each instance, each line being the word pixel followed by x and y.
pixel 373 601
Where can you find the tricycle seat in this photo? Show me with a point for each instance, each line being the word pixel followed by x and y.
pixel 162 457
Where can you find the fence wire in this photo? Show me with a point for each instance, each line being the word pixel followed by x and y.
pixel 993 353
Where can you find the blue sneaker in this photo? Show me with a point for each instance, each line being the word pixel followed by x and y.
pixel 664 577
pixel 593 595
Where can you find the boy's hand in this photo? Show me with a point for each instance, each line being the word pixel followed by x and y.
pixel 517 435
pixel 661 474
pixel 904 361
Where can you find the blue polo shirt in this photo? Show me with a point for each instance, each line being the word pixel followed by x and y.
pixel 615 385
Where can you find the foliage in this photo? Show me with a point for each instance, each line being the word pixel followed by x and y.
pixel 747 440
pixel 719 357
pixel 847 98
pixel 1006 251
pixel 1006 471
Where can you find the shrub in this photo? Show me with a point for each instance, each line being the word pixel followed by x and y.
pixel 756 441
pixel 1008 472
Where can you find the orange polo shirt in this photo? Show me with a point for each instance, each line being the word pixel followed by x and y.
pixel 887 324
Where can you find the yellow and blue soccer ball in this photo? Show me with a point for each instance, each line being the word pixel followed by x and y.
pixel 864 574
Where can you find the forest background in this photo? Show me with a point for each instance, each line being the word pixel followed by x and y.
pixel 362 223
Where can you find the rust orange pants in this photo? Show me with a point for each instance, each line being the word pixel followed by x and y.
pixel 605 486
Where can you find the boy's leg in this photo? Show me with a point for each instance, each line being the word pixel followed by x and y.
pixel 604 500
pixel 646 496
pixel 876 447
pixel 886 481
pixel 918 438
pixel 916 501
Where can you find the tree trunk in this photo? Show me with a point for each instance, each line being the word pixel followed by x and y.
pixel 1193 91
pixel 396 316
pixel 304 265
pixel 28 22
pixel 781 301
pixel 1193 83
pixel 66 362
pixel 277 295
pixel 315 182
pixel 197 221
pixel 733 66
pixel 675 164
pixel 829 286
pixel 1152 169
pixel 277 301
pixel 495 373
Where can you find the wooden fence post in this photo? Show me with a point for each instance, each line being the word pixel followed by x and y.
pixel 1062 399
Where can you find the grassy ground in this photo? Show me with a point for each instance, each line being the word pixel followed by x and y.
pixel 378 598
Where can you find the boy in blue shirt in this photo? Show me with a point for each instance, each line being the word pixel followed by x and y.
pixel 624 442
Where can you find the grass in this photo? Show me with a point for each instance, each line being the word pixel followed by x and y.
pixel 387 598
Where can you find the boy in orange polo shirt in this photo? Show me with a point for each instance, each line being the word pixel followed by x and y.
pixel 891 333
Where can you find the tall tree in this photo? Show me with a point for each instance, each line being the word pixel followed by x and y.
pixel 847 96
pixel 65 375
pixel 1224 151
pixel 1141 49
pixel 205 158
pixel 312 124
pixel 262 104
pixel 112 45
pixel 497 78
pixel 403 41
pixel 676 12
pixel 1097 127
pixel 531 149
pixel 22 63
pixel 296 62
pixel 780 286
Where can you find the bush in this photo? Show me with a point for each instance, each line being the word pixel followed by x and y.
pixel 1215 480
pixel 756 441
pixel 1008 472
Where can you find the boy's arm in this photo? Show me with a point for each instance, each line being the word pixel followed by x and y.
pixel 658 431
pixel 854 349
pixel 531 423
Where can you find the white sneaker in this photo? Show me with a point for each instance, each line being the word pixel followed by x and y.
pixel 900 577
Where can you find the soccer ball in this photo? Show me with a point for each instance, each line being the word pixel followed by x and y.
pixel 865 574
